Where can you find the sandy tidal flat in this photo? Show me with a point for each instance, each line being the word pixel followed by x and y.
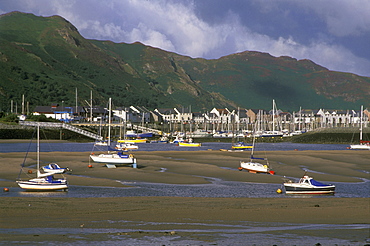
pixel 136 218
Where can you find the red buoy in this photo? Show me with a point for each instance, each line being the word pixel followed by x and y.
pixel 5 189
pixel 90 166
pixel 30 171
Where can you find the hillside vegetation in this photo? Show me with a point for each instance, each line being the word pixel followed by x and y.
pixel 46 59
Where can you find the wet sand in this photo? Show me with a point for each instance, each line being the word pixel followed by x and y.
pixel 175 217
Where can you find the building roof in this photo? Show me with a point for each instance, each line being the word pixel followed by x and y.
pixel 55 108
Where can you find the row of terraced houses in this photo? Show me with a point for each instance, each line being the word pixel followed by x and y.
pixel 215 119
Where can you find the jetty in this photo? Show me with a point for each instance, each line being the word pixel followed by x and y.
pixel 63 126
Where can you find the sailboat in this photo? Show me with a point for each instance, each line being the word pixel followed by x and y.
pixel 43 181
pixel 125 146
pixel 241 146
pixel 273 133
pixel 364 145
pixel 112 159
pixel 253 166
pixel 238 145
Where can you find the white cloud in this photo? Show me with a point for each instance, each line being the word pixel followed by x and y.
pixel 175 25
pixel 333 57
pixel 150 37
pixel 342 17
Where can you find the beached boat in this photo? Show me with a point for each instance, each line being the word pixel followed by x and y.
pixel 133 134
pixel 241 146
pixel 363 145
pixel 133 141
pixel 199 134
pixel 186 144
pixel 114 158
pixel 163 139
pixel 101 143
pixel 43 181
pixel 178 139
pixel 307 185
pixel 54 168
pixel 273 133
pixel 256 167
pixel 126 146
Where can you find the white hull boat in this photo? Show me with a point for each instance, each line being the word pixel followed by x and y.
pixel 126 146
pixel 308 186
pixel 114 158
pixel 54 168
pixel 255 167
pixel 363 145
pixel 360 146
pixel 43 181
pixel 48 183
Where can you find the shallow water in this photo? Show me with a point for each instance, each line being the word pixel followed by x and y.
pixel 87 147
pixel 217 188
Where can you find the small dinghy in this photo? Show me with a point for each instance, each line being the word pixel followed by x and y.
pixel 54 169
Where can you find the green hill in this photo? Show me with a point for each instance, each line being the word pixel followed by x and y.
pixel 46 59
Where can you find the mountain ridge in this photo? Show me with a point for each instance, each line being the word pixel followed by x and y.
pixel 46 58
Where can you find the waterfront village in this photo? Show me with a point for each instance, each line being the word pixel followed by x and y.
pixel 214 123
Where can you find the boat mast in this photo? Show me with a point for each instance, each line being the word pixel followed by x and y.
pixel 91 108
pixel 38 149
pixel 300 118
pixel 273 115
pixel 109 119
pixel 23 105
pixel 254 140
pixel 362 109
pixel 76 112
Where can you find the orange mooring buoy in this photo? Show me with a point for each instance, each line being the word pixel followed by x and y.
pixel 5 189
pixel 30 171
pixel 90 166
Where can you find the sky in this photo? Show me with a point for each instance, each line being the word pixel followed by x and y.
pixel 332 33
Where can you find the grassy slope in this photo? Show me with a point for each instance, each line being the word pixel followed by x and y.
pixel 46 59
